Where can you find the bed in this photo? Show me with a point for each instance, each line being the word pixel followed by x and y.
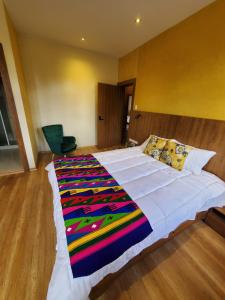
pixel 167 197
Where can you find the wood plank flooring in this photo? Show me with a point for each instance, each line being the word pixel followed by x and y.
pixel 192 266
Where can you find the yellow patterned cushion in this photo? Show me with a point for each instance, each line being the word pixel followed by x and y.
pixel 155 146
pixel 174 154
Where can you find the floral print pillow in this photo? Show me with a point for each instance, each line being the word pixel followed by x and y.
pixel 155 146
pixel 174 154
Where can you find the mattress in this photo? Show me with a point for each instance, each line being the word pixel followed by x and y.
pixel 166 196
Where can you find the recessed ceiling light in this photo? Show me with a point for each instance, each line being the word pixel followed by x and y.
pixel 138 20
pixel 82 39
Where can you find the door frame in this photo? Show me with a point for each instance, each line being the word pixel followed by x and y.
pixel 125 84
pixel 128 82
pixel 12 108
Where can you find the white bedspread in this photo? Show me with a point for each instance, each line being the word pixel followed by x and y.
pixel 166 196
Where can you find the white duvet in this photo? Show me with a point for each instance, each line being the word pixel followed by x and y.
pixel 166 196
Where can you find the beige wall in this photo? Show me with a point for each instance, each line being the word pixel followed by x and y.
pixel 6 30
pixel 62 86
pixel 182 71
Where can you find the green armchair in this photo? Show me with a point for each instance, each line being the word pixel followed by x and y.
pixel 59 144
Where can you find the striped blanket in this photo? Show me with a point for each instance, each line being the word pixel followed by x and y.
pixel 101 220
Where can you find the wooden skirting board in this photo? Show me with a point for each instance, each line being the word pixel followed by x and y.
pixel 100 288
pixel 11 172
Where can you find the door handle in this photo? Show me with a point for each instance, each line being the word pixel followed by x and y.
pixel 100 118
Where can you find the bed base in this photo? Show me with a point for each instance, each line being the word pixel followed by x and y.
pixel 101 287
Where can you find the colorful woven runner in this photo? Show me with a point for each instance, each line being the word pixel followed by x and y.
pixel 101 220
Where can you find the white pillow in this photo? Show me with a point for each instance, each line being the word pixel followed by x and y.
pixel 144 144
pixel 197 159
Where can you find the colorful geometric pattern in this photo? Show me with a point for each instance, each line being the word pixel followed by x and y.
pixel 101 220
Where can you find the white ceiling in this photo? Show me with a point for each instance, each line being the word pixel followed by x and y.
pixel 108 25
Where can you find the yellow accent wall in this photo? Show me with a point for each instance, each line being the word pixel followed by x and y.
pixel 128 66
pixel 182 71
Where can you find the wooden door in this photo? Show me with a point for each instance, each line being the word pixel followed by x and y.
pixel 111 105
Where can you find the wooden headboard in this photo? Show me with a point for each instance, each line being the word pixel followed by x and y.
pixel 200 133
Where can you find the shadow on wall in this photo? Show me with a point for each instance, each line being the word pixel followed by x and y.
pixel 43 146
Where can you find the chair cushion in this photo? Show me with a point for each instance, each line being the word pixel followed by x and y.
pixel 67 147
pixel 69 139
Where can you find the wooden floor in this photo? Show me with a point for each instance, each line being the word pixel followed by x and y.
pixel 192 266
